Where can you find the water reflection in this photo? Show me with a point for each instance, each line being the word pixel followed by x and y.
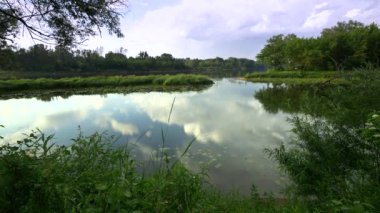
pixel 231 126
pixel 346 105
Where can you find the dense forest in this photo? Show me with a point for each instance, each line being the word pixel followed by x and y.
pixel 39 58
pixel 346 46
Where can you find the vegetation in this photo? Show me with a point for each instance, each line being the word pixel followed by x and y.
pixel 91 175
pixel 346 46
pixel 65 22
pixel 296 77
pixel 332 166
pixel 51 94
pixel 94 175
pixel 293 74
pixel 332 159
pixel 39 61
pixel 7 86
pixel 346 104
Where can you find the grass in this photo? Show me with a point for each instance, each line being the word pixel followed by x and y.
pixel 91 175
pixel 7 86
pixel 49 94
pixel 292 74
pixel 296 80
pixel 296 77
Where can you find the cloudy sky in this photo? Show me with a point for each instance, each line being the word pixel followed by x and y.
pixel 239 28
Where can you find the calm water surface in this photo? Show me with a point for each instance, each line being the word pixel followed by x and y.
pixel 231 127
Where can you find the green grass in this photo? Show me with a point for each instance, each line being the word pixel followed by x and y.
pixel 49 94
pixel 292 74
pixel 296 77
pixel 297 80
pixel 7 86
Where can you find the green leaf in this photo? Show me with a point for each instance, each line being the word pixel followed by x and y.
pixel 128 194
pixel 100 186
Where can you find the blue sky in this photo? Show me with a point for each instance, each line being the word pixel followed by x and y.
pixel 224 28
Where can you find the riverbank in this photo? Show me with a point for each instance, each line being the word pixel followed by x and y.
pixel 91 175
pixel 296 77
pixel 7 86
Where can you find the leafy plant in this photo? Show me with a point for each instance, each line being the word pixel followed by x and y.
pixel 328 162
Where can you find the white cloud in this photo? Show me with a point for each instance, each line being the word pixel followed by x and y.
pixel 352 13
pixel 317 19
pixel 198 28
pixel 321 5
pixel 124 128
pixel 30 109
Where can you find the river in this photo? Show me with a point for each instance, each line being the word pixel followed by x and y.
pixel 231 128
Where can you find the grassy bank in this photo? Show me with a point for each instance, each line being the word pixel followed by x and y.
pixel 296 77
pixel 91 175
pixel 7 86
pixel 49 94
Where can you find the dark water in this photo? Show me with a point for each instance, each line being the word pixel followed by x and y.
pixel 230 125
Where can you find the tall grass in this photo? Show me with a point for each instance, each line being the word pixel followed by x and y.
pixel 102 81
pixel 296 77
pixel 293 74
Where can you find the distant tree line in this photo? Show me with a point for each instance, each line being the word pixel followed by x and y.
pixel 39 58
pixel 346 46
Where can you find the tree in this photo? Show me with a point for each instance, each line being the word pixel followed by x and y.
pixel 8 29
pixel 37 58
pixel 273 53
pixel 373 45
pixel 143 55
pixel 115 60
pixel 166 56
pixel 8 60
pixel 344 44
pixel 68 22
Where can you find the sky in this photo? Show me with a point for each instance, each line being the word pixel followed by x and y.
pixel 224 28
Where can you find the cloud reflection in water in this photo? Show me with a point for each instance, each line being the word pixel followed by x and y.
pixel 231 126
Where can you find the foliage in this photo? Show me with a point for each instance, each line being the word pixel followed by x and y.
pixel 333 158
pixel 8 29
pixel 318 164
pixel 92 175
pixel 346 100
pixel 38 60
pixel 65 22
pixel 88 176
pixel 346 46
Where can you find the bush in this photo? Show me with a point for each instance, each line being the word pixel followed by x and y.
pixel 333 165
pixel 90 176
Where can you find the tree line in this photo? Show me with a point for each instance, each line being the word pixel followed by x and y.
pixel 345 46
pixel 39 58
